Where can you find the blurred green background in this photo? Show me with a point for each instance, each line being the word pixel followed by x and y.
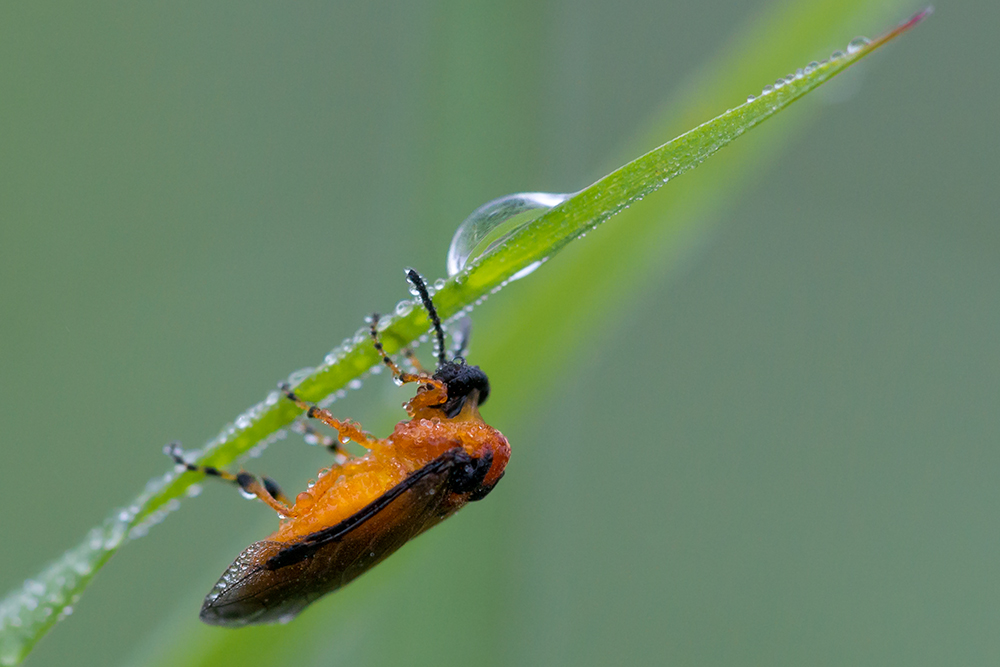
pixel 782 450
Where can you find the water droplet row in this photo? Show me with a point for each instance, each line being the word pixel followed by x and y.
pixel 855 45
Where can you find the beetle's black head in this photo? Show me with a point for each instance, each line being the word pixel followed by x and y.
pixel 462 381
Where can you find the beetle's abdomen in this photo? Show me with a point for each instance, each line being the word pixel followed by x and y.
pixel 247 593
pixel 271 581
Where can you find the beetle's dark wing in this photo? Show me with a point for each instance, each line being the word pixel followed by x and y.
pixel 311 544
pixel 273 581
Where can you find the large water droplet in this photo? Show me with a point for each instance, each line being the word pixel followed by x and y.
pixel 528 270
pixel 494 222
pixel 857 44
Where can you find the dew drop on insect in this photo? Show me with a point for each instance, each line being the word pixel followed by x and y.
pixel 494 222
pixel 811 67
pixel 439 284
pixel 857 44
pixel 836 55
pixel 354 384
pixel 767 90
pixel 750 98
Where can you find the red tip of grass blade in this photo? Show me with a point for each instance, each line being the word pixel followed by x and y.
pixel 902 27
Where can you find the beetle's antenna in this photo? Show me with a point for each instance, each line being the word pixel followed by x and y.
pixel 460 335
pixel 425 297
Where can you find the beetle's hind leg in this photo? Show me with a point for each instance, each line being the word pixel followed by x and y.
pixel 266 489
pixel 347 430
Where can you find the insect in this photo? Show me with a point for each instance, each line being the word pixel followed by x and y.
pixel 361 509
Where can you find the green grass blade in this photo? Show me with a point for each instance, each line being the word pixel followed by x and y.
pixel 28 613
pixel 653 238
pixel 551 232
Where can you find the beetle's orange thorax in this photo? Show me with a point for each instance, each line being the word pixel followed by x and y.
pixel 342 491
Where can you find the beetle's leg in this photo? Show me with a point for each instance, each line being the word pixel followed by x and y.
pixel 314 437
pixel 267 490
pixel 398 375
pixel 433 392
pixel 348 430
pixel 412 358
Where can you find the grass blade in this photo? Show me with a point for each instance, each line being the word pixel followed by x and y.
pixel 28 613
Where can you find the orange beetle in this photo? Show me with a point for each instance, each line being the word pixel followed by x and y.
pixel 362 509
